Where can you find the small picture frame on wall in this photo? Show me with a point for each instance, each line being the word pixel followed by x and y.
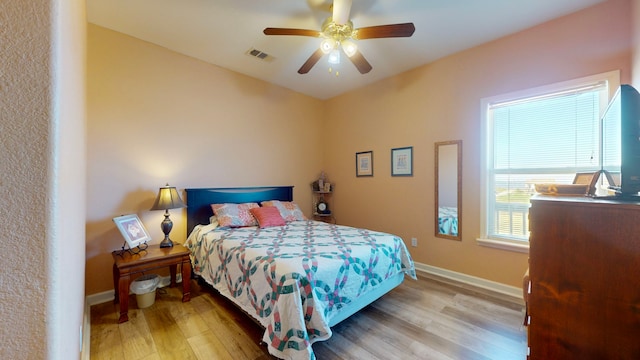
pixel 402 161
pixel 364 163
pixel 132 230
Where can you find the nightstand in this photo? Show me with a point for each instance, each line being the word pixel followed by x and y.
pixel 126 264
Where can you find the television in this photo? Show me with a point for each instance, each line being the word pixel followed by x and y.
pixel 621 143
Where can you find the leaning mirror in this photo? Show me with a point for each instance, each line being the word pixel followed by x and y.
pixel 448 194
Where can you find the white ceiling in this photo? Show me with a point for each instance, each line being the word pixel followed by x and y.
pixel 220 32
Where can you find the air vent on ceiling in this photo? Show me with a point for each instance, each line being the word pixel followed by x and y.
pixel 260 55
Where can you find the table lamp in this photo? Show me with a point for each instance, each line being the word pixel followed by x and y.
pixel 168 198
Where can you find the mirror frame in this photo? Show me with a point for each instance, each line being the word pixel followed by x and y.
pixel 458 189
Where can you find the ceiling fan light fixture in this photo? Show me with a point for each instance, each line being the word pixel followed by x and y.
pixel 334 57
pixel 350 48
pixel 327 45
pixel 337 34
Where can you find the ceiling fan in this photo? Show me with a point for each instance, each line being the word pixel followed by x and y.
pixel 338 34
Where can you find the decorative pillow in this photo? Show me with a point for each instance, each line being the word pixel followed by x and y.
pixel 268 216
pixel 288 209
pixel 234 215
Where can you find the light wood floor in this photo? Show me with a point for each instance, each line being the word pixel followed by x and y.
pixel 424 319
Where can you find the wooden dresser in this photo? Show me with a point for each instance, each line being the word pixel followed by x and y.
pixel 584 267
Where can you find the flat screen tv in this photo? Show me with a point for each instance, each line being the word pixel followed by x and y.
pixel 621 142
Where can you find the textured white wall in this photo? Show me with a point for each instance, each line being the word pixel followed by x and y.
pixel 40 313
pixel 67 190
pixel 25 104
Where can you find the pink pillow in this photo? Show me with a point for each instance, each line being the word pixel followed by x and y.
pixel 267 216
pixel 234 215
pixel 289 210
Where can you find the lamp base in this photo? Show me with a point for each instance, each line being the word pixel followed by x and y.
pixel 166 243
pixel 166 226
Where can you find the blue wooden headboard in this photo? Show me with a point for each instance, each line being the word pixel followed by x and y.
pixel 199 200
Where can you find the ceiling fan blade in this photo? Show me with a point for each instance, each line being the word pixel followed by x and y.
pixel 297 32
pixel 385 31
pixel 341 10
pixel 311 61
pixel 361 63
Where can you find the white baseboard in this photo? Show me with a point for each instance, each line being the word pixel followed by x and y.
pixel 100 298
pixel 508 290
pixel 85 353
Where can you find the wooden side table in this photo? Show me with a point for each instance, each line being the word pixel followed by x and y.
pixel 126 264
pixel 328 218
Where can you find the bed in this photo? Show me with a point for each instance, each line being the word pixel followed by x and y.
pixel 297 279
pixel 448 220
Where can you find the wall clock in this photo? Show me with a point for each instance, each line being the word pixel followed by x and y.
pixel 322 207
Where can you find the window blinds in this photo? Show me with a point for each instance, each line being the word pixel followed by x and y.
pixel 544 138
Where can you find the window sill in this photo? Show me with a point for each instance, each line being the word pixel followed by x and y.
pixel 504 245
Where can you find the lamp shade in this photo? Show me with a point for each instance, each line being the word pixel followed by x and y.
pixel 168 198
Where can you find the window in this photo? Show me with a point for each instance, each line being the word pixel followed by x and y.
pixel 542 135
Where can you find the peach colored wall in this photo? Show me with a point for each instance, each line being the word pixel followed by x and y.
pixel 441 101
pixel 635 6
pixel 156 116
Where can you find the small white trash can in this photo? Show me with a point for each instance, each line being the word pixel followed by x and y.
pixel 145 289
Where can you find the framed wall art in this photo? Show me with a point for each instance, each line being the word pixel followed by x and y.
pixel 402 161
pixel 364 163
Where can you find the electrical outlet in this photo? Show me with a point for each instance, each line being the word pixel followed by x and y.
pixel 414 242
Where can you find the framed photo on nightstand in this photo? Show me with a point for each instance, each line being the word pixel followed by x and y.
pixel 132 230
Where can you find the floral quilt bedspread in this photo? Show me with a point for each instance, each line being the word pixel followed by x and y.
pixel 293 279
pixel 448 221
